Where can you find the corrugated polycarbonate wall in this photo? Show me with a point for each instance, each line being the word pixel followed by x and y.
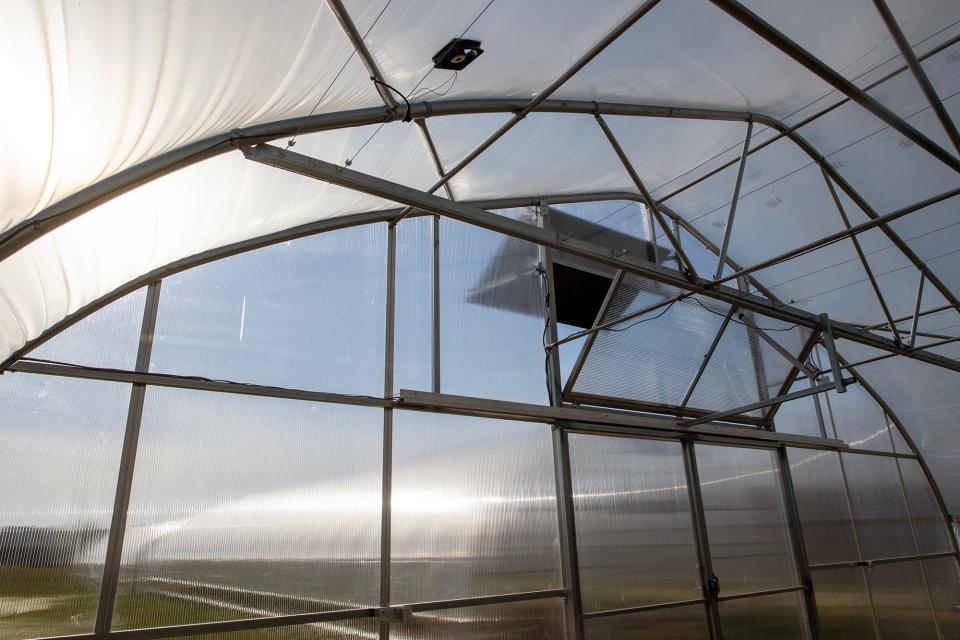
pixel 245 507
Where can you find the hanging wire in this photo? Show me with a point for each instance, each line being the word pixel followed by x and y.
pixel 292 141
pixel 376 131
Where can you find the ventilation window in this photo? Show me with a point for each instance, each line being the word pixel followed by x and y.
pixel 579 294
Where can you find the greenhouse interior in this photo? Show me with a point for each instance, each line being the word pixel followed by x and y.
pixel 422 319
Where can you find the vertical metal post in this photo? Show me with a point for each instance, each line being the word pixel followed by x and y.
pixel 554 385
pixel 916 311
pixel 128 457
pixel 569 561
pixel 916 543
pixel 387 464
pixel 756 353
pixel 799 548
pixel 826 330
pixel 701 537
pixel 435 305
pixel 733 204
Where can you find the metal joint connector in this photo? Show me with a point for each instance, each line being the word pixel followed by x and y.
pixel 394 614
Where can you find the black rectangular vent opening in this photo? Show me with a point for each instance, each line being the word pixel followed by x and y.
pixel 579 293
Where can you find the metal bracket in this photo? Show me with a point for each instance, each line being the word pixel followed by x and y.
pixel 395 614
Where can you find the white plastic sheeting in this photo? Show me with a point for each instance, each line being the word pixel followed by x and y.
pixel 102 86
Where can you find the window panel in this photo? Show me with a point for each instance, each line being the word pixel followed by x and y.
pixel 413 320
pixel 843 604
pixel 532 620
pixel 943 580
pixel 859 420
pixel 634 532
pixel 778 616
pixel 900 602
pixel 492 314
pixel 681 623
pixel 822 502
pixel 244 506
pixel 108 337
pixel 746 519
pixel 928 520
pixel 305 314
pixel 474 508
pixel 879 511
pixel 58 471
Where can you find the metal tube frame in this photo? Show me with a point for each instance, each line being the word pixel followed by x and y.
pixel 733 203
pixel 386 469
pixel 918 73
pixel 706 357
pixel 592 337
pixel 327 172
pixel 128 457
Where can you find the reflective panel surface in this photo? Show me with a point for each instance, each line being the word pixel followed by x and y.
pixel 746 519
pixel 474 508
pixel 634 531
pixel 879 510
pixel 533 620
pixel 60 442
pixel 843 603
pixel 244 506
pixel 303 314
pixel 778 616
pixel 900 601
pixel 822 502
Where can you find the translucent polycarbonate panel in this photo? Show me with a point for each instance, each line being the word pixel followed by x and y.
pixel 403 44
pixel 106 338
pixel 474 508
pixel 901 602
pixel 822 502
pixel 926 515
pixel 356 629
pixel 781 616
pixel 413 308
pixel 531 620
pixel 305 314
pixel 634 531
pixel 858 420
pixel 627 217
pixel 492 315
pixel 669 153
pixel 746 519
pixel 546 153
pixel 843 603
pixel 712 61
pixel 924 399
pixel 879 511
pixel 801 416
pixel 703 259
pixel 744 368
pixel 244 506
pixel 58 473
pixel 943 580
pixel 681 623
pixel 652 357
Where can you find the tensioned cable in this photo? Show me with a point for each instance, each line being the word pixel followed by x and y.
pixel 292 141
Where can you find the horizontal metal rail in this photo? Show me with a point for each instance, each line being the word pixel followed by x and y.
pixel 340 615
pixel 606 613
pixel 803 393
pixel 333 174
pixel 869 563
